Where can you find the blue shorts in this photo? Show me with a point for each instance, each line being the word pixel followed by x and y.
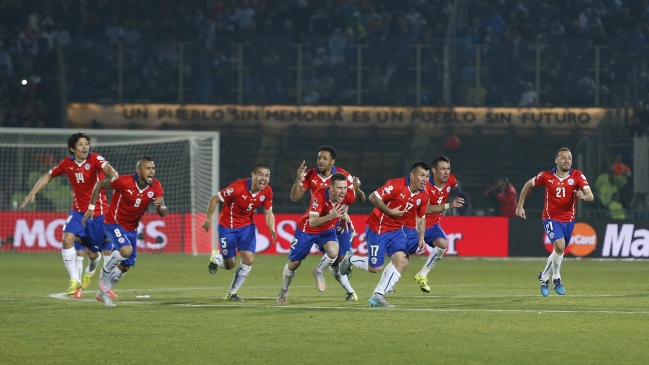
pixel 557 230
pixel 378 245
pixel 92 235
pixel 344 240
pixel 412 237
pixel 302 243
pixel 433 233
pixel 120 237
pixel 233 239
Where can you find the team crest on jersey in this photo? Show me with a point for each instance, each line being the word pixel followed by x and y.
pixel 225 252
pixel 262 198
pixel 229 192
pixel 571 181
pixel 87 167
pixel 448 189
pixel 149 194
pixel 418 201
pixel 551 235
pixel 373 260
pixel 121 240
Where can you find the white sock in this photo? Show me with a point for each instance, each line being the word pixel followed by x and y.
pixel 80 266
pixel 70 261
pixel 389 277
pixel 92 264
pixel 432 260
pixel 111 262
pixel 288 277
pixel 239 277
pixel 556 264
pixel 547 270
pixel 342 279
pixel 219 260
pixel 325 262
pixel 116 275
pixel 360 262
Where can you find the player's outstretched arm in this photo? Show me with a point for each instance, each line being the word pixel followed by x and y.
pixel 270 223
pixel 527 189
pixel 297 190
pixel 160 206
pixel 211 207
pixel 44 180
pixel 360 195
pixel 432 208
pixel 110 171
pixel 103 184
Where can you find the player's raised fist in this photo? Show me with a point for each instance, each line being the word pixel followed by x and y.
pixel 520 212
pixel 457 203
pixel 206 225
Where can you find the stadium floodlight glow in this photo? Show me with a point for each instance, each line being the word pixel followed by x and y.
pixel 187 166
pixel 24 82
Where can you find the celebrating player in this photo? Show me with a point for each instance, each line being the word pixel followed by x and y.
pixel 236 227
pixel 84 169
pixel 439 186
pixel 395 202
pixel 318 177
pixel 132 196
pixel 563 186
pixel 318 225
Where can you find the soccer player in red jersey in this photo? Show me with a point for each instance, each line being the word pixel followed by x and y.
pixel 318 225
pixel 395 202
pixel 236 228
pixel 318 177
pixel 83 169
pixel 132 196
pixel 439 186
pixel 563 186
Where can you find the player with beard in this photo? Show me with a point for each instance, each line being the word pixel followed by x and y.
pixel 236 228
pixel 563 187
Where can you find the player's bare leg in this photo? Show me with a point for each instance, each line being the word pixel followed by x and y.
pixel 247 258
pixel 439 248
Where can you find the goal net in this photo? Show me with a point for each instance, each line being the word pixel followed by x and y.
pixel 187 166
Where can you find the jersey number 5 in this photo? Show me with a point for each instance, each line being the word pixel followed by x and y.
pixel 561 192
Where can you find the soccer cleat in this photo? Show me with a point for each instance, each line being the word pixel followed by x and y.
pixel 345 264
pixel 423 283
pixel 104 298
pixel 319 282
pixel 212 266
pixel 104 282
pixel 87 279
pixel 544 286
pixel 112 295
pixel 77 294
pixel 74 285
pixel 377 300
pixel 558 286
pixel 232 298
pixel 351 297
pixel 283 294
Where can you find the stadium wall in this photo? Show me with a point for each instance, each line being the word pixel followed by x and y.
pixel 468 236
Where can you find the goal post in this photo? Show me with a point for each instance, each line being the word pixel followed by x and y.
pixel 187 166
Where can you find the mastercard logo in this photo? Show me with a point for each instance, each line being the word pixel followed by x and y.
pixel 582 242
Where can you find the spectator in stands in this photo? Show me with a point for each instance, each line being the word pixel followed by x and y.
pixel 621 169
pixel 494 21
pixel 505 194
pixel 615 208
pixel 606 186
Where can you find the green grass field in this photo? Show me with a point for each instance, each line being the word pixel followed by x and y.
pixel 479 312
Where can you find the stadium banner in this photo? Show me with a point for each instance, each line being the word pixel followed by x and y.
pixel 43 231
pixel 279 116
pixel 593 238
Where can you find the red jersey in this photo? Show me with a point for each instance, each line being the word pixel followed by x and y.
pixel 83 176
pixel 239 203
pixel 129 202
pixel 321 205
pixel 560 200
pixel 438 196
pixel 396 193
pixel 313 181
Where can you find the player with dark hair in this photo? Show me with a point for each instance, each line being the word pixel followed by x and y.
pixel 236 226
pixel 83 169
pixel 318 177
pixel 132 196
pixel 395 202
pixel 318 225
pixel 563 187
